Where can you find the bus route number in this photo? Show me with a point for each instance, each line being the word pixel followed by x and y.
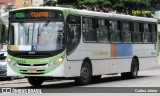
pixel 21 61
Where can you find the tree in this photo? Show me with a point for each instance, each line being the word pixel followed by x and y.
pixel 119 6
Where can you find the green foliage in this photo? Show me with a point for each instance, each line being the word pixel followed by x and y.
pixel 120 6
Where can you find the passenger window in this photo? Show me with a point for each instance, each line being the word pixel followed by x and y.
pixel 137 35
pixel 154 33
pixel 126 33
pixel 102 31
pixel 146 34
pixel 89 30
pixel 114 31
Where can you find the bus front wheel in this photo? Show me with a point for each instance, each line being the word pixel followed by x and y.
pixel 35 81
pixel 134 70
pixel 85 74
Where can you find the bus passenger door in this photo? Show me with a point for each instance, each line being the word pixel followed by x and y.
pixel 73 34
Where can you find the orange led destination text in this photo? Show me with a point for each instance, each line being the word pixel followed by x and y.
pixel 39 14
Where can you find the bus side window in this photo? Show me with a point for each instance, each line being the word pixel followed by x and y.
pixel 89 29
pixel 126 33
pixel 102 31
pixel 136 32
pixel 146 33
pixel 114 31
pixel 154 33
pixel 73 32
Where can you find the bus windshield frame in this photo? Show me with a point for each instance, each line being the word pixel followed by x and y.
pixel 36 34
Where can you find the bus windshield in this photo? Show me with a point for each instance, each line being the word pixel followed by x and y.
pixel 45 35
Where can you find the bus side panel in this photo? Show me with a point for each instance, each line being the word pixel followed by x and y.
pixel 75 59
pixel 126 64
pixel 97 53
pixel 145 63
pixel 58 72
pixel 146 54
pixel 115 66
pixel 72 68
pixel 101 58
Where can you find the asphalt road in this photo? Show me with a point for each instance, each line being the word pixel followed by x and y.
pixel 147 78
pixel 107 86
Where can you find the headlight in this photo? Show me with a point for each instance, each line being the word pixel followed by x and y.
pixel 56 62
pixel 59 60
pixel 12 62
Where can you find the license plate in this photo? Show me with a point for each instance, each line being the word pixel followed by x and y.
pixel 31 70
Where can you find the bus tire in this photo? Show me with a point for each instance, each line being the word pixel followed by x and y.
pixel 134 71
pixel 35 81
pixel 85 74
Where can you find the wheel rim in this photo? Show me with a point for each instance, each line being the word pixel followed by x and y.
pixel 85 74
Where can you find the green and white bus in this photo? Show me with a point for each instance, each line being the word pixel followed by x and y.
pixel 78 44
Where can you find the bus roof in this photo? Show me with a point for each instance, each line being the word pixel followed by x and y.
pixel 115 16
pixel 96 14
pixel 43 7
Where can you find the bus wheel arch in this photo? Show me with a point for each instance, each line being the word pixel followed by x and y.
pixel 85 73
pixel 133 71
pixel 89 62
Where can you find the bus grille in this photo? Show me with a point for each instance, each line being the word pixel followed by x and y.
pixel 32 64
pixel 32 56
pixel 32 73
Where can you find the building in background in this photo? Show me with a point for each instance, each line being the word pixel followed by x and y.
pixel 4 5
pixel 22 3
pixel 36 3
pixel 7 5
pixel 10 4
